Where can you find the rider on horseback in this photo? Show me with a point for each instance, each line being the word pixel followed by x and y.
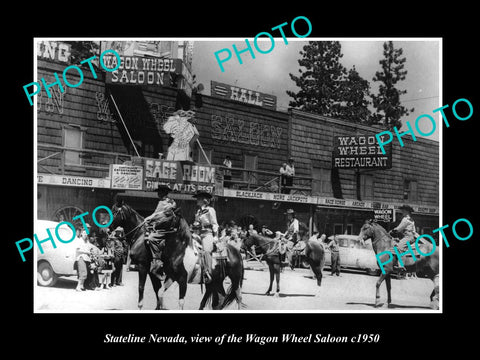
pixel 156 238
pixel 406 229
pixel 207 217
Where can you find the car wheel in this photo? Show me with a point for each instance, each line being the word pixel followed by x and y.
pixel 45 274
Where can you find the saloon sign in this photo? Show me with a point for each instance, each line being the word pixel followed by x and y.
pixel 247 96
pixel 137 70
pixel 361 152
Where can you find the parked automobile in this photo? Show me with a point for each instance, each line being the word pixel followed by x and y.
pixel 354 255
pixel 54 262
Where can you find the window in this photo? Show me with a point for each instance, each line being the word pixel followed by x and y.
pixel 73 138
pixel 338 229
pixel 201 156
pixel 250 162
pixel 410 190
pixel 366 187
pixel 321 184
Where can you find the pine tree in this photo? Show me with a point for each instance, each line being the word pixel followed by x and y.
pixel 320 82
pixel 355 92
pixel 387 102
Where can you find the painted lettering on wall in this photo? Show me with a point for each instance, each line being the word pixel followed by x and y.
pixel 51 103
pixel 103 112
pixel 236 130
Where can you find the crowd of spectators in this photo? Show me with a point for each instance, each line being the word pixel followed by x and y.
pixel 99 259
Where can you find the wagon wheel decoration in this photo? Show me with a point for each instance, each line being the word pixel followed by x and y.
pixel 67 213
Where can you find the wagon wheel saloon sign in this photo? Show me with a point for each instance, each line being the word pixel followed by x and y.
pixel 360 152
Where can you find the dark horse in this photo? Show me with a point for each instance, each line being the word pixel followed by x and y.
pixel 179 257
pixel 270 249
pixel 427 266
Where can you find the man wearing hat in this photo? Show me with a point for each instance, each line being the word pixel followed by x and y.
pixel 207 218
pixel 291 234
pixel 406 229
pixel 155 240
pixel 164 203
pixel 119 255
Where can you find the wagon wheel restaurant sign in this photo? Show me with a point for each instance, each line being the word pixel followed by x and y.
pixel 138 70
pixel 360 152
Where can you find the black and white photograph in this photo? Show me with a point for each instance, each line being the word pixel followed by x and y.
pixel 196 180
pixel 172 179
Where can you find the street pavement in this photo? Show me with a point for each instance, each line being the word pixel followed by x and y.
pixel 351 291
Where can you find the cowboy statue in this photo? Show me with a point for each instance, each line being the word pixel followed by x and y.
pixel 406 229
pixel 155 238
pixel 291 235
pixel 207 219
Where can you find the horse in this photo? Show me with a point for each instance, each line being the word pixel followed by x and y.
pixel 233 268
pixel 179 257
pixel 427 266
pixel 315 254
pixel 178 253
pixel 269 247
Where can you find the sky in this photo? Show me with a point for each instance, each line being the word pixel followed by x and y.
pixel 269 73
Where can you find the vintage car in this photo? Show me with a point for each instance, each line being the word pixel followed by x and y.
pixel 54 262
pixel 354 255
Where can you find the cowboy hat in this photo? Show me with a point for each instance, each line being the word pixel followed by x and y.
pixel 163 189
pixel 406 208
pixel 290 211
pixel 202 194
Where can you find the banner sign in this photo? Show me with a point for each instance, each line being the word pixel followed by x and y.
pixel 126 177
pixel 385 215
pixel 77 181
pixel 138 70
pixel 269 196
pixel 247 96
pixel 180 176
pixel 360 152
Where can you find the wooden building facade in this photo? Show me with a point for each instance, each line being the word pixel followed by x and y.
pixel 82 131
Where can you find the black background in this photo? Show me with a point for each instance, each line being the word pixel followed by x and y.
pixel 402 334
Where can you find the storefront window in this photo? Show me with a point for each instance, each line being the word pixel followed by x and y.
pixel 366 187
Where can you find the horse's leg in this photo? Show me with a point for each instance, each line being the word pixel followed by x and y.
pixel 157 285
pixel 270 269
pixel 389 287
pixel 142 277
pixel 377 295
pixel 208 293
pixel 182 288
pixel 276 268
pixel 166 285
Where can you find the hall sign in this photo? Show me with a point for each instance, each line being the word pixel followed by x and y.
pixel 138 70
pixel 180 176
pixel 360 152
pixel 225 91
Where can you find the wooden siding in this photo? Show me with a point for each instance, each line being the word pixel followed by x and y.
pixel 312 140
